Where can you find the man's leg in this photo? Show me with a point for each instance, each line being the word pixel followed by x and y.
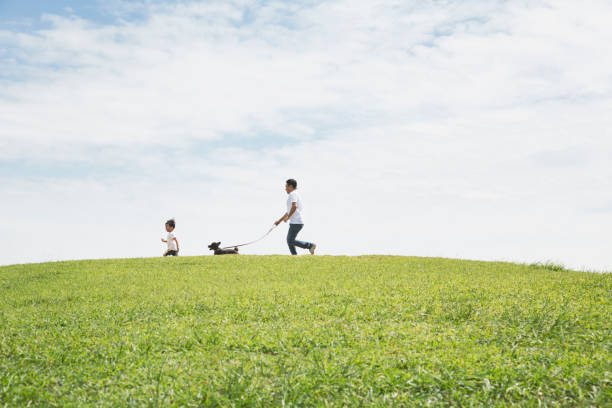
pixel 300 244
pixel 291 234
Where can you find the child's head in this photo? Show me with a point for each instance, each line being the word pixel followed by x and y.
pixel 170 225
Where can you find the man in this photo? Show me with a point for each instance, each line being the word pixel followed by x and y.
pixel 294 216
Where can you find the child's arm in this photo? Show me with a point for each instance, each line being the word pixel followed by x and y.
pixel 163 240
pixel 177 244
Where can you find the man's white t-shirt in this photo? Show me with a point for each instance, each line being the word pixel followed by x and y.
pixel 171 242
pixel 296 218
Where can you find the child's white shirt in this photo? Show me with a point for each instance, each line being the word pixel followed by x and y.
pixel 171 242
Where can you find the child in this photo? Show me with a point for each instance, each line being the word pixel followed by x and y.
pixel 173 245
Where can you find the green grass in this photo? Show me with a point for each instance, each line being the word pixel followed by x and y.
pixel 306 331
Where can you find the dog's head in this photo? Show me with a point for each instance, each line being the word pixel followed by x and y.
pixel 214 246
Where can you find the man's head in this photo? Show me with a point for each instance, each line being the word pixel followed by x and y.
pixel 170 224
pixel 290 186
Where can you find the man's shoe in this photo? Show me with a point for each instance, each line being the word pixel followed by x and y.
pixel 312 249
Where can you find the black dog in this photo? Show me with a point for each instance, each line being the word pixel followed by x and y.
pixel 218 251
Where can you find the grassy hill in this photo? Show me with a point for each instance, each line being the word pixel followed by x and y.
pixel 305 331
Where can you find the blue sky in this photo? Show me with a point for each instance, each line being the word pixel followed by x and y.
pixel 26 15
pixel 471 129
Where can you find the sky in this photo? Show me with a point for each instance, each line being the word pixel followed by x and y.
pixel 473 129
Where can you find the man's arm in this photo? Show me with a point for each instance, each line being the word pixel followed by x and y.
pixel 177 244
pixel 281 219
pixel 293 209
pixel 286 216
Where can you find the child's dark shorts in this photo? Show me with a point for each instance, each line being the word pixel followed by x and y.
pixel 171 252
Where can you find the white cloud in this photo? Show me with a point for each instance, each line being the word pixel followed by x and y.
pixel 472 129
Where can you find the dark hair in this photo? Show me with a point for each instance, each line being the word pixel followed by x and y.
pixel 292 182
pixel 170 223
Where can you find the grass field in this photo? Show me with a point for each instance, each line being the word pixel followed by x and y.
pixel 305 331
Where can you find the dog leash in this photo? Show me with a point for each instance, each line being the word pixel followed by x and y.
pixel 251 242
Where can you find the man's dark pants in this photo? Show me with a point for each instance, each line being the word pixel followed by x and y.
pixel 292 242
